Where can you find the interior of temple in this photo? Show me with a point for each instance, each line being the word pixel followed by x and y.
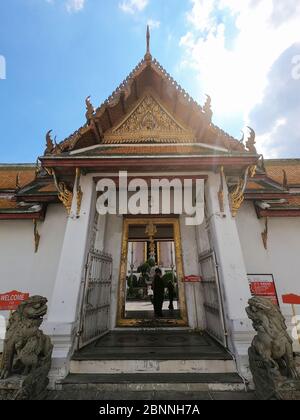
pixel 151 247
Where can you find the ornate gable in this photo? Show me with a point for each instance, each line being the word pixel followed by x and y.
pixel 149 121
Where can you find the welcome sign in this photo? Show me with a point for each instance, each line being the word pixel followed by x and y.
pixel 11 300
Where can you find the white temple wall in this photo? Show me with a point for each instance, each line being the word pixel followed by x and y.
pixel 280 259
pixel 193 291
pixel 20 267
pixel 112 245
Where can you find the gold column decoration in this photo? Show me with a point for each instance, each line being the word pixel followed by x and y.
pixel 221 190
pixel 18 185
pixel 79 193
pixel 64 195
pixel 237 195
pixel 264 234
pixel 36 235
pixel 252 171
pixel 151 232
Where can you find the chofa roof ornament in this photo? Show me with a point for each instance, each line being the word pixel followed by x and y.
pixel 250 143
pixel 148 56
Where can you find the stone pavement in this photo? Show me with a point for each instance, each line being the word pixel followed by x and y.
pixel 149 396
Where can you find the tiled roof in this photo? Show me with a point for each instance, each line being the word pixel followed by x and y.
pixel 6 203
pixel 254 186
pixel 172 149
pixel 9 175
pixel 48 188
pixel 276 167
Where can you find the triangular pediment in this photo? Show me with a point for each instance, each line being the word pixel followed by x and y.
pixel 148 121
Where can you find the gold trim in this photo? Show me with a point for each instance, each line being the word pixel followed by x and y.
pixel 158 253
pixel 264 234
pixel 221 190
pixel 121 321
pixel 79 193
pixel 37 236
pixel 64 195
pixel 148 120
pixel 237 196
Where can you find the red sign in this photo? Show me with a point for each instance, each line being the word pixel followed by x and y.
pixel 11 300
pixel 263 285
pixel 192 279
pixel 261 288
pixel 291 299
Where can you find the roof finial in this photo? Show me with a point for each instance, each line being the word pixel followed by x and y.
pixel 148 39
pixel 148 54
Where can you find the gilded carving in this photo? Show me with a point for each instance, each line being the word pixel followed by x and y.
pixel 79 193
pixel 149 121
pixel 151 231
pixel 37 236
pixel 221 190
pixel 237 196
pixel 64 194
pixel 264 234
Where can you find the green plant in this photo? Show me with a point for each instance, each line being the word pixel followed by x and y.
pixel 169 276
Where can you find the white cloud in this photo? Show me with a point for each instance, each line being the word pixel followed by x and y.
pixel 133 6
pixel 75 5
pixel 72 6
pixel 233 45
pixel 153 24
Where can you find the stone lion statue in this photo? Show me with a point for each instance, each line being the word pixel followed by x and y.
pixel 27 350
pixel 271 355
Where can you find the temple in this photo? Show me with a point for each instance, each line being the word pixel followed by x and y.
pixel 95 269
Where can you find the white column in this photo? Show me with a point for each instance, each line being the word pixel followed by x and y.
pixel 63 313
pixel 232 269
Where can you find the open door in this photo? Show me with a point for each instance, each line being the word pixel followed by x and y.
pixel 213 303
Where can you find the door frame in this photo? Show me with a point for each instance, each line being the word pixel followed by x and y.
pixel 127 221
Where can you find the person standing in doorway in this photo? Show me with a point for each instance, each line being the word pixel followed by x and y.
pixel 158 293
pixel 171 290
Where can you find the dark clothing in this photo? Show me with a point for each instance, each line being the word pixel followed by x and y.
pixel 158 294
pixel 171 291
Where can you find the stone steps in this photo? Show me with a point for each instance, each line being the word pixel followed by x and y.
pixel 139 366
pixel 154 382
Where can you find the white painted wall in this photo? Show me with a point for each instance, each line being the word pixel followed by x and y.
pixel 20 268
pixel 193 291
pixel 282 256
pixel 112 245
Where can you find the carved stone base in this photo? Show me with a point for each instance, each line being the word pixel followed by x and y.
pixel 269 383
pixel 290 390
pixel 13 389
pixel 9 388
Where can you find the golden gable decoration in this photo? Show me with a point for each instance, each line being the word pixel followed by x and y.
pixel 149 121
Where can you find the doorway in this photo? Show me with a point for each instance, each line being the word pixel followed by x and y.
pixel 149 244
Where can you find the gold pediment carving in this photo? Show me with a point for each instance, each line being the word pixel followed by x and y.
pixel 149 121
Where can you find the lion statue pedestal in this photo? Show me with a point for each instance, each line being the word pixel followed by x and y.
pixel 26 359
pixel 271 358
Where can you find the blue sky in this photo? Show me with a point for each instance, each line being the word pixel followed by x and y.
pixel 57 52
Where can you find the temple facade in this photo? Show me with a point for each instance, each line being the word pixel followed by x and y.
pixel 96 269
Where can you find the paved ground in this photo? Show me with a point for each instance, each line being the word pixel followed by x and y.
pixel 144 310
pixel 153 345
pixel 149 396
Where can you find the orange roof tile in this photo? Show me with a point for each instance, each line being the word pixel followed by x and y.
pixel 48 188
pixel 9 175
pixel 254 186
pixel 6 203
pixel 276 167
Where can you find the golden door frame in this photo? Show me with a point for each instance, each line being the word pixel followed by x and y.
pixel 121 320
